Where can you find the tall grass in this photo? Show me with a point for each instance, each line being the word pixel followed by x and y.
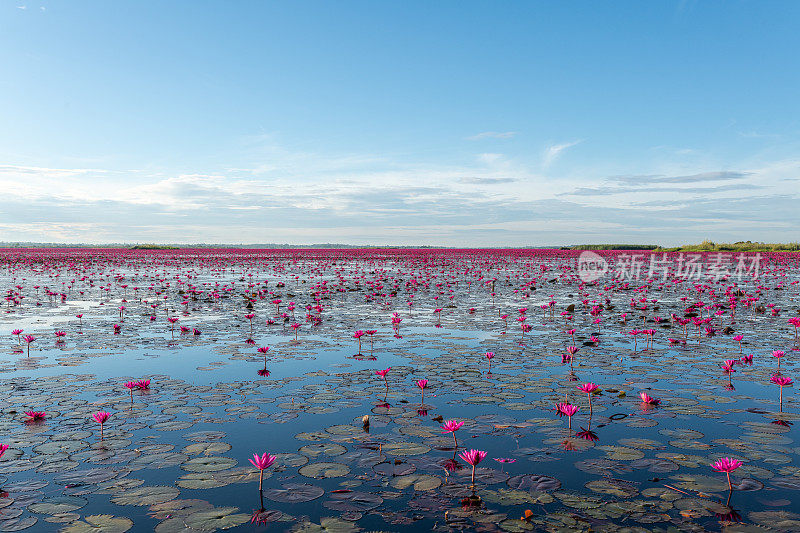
pixel 740 246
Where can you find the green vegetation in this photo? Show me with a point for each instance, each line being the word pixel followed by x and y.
pixel 153 247
pixel 610 247
pixel 740 246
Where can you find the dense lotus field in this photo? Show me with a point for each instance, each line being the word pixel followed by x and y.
pixel 386 390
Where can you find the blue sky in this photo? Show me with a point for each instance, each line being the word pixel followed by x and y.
pixel 455 123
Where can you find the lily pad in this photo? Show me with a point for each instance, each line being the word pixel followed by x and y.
pixel 99 523
pixel 294 493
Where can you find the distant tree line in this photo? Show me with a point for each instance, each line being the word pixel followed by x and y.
pixel 739 246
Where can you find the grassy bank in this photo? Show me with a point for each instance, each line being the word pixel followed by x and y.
pixel 741 246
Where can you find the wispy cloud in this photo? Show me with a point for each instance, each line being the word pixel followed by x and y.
pixel 553 151
pixel 489 158
pixel 605 191
pixel 723 175
pixel 486 181
pixel 492 135
pixel 305 197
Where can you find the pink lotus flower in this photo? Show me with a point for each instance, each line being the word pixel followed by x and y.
pixel 490 356
pixel 646 398
pixel 422 383
pixel 35 416
pixel 781 380
pixel 101 417
pixel 473 457
pixel 3 448
pixel 262 462
pixel 357 335
pixel 29 339
pixel 747 359
pixel 727 465
pixel 568 409
pixel 130 385
pixel 451 426
pixel 143 384
pixel 795 321
pixel 589 388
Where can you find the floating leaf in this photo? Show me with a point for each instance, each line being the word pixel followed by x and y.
pixel 99 523
pixel 405 448
pixel 330 449
pixel 417 481
pixel 354 501
pixel 324 470
pixel 208 464
pixel 217 518
pixel 199 480
pixel 621 453
pixel 294 493
pixel 146 495
pixel 59 504
pixel 533 482
pixel 207 448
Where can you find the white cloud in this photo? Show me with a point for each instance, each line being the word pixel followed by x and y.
pixel 554 151
pixel 489 158
pixel 492 135
pixel 277 195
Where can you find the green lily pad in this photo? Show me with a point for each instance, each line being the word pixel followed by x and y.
pixel 324 470
pixel 146 495
pixel 217 518
pixel 99 523
pixel 208 464
pixel 294 493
